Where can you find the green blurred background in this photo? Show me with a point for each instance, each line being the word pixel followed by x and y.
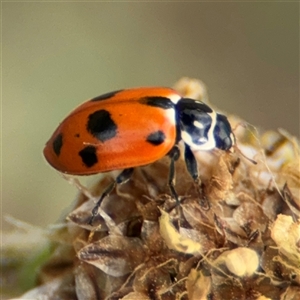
pixel 55 55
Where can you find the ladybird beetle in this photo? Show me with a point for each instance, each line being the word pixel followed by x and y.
pixel 128 128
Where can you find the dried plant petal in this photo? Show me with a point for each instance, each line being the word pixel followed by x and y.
pixel 291 197
pixel 292 293
pixel 82 215
pixel 232 231
pixel 136 296
pixel 114 255
pixel 240 261
pixel 175 240
pixel 250 217
pixel 286 233
pixel 198 286
pixel 85 287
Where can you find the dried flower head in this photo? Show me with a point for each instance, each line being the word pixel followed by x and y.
pixel 143 246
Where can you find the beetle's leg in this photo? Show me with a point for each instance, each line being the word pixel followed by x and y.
pixel 192 167
pixel 121 178
pixel 174 155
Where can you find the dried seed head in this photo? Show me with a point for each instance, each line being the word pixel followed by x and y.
pixel 246 246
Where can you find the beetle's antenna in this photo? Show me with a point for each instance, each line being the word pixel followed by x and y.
pixel 236 148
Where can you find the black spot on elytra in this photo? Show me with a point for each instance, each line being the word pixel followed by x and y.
pixel 57 144
pixel 101 125
pixel 156 138
pixel 105 96
pixel 77 135
pixel 88 156
pixel 161 102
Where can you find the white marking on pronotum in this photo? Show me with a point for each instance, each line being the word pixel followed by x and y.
pixel 210 141
pixel 198 124
pixel 187 138
pixel 170 114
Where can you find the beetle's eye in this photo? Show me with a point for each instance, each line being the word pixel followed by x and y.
pixel 223 133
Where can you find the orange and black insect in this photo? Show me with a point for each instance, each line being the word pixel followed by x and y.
pixel 125 129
